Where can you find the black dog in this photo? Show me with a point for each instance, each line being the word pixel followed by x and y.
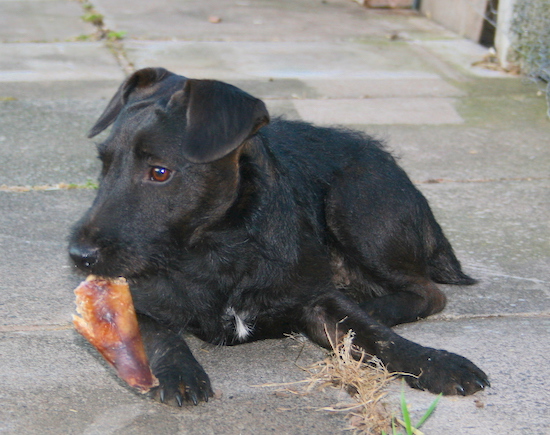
pixel 237 229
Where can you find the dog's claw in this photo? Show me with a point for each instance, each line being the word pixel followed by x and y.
pixel 179 399
pixel 162 395
pixel 460 390
pixel 194 398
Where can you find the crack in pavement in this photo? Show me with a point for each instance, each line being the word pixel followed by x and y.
pixel 91 185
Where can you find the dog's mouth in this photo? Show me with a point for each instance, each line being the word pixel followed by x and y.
pixel 105 262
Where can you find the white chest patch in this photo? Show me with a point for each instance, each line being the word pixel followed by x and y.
pixel 242 328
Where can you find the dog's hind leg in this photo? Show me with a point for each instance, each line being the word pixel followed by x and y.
pixel 419 298
pixel 331 315
pixel 382 229
pixel 181 377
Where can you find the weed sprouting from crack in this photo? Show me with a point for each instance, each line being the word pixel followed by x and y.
pixel 49 187
pixel 113 38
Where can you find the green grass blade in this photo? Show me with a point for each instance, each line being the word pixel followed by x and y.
pixel 429 411
pixel 405 412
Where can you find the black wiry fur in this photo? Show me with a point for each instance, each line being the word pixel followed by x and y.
pixel 262 228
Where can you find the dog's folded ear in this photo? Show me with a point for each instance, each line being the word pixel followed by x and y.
pixel 216 117
pixel 212 118
pixel 141 79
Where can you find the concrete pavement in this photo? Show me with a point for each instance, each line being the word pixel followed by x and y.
pixel 475 141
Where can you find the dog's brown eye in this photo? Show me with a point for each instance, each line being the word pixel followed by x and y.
pixel 159 174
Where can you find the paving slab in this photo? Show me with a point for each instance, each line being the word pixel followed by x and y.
pixel 57 89
pixel 503 220
pixel 424 111
pixel 381 85
pixel 36 281
pixel 378 86
pixel 283 60
pixel 467 152
pixel 259 20
pixel 44 141
pixel 513 352
pixel 60 61
pixel 41 21
pixel 499 232
pixel 84 396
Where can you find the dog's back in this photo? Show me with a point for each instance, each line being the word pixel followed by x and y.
pixel 316 161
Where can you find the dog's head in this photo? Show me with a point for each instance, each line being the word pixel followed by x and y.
pixel 170 165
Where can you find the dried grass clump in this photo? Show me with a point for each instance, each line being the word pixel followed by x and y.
pixel 364 379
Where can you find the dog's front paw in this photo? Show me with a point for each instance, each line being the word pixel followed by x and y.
pixel 444 372
pixel 179 385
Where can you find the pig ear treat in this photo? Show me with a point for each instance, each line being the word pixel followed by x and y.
pixel 108 321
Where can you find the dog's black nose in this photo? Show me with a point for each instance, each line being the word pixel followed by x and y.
pixel 85 257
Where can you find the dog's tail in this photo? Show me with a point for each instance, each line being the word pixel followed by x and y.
pixel 444 267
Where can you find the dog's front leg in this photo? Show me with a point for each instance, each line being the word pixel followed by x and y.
pixel 332 315
pixel 180 376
